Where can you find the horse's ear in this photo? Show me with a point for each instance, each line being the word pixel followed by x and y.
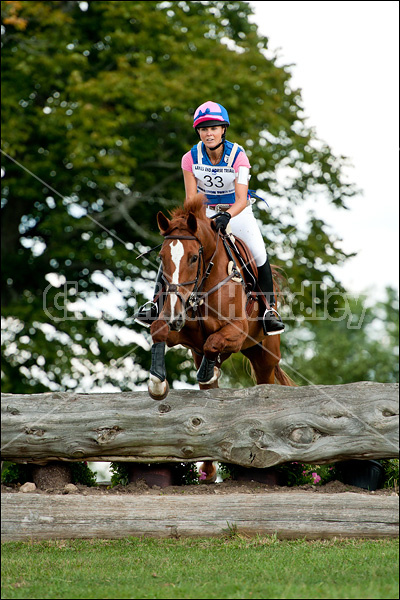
pixel 192 222
pixel 163 222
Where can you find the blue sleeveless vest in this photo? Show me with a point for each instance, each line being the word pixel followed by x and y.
pixel 217 182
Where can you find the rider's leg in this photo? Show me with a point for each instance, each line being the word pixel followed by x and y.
pixel 272 322
pixel 245 226
pixel 151 309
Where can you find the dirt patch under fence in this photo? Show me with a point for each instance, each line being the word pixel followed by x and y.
pixel 226 487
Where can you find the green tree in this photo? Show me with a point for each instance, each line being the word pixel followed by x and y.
pixel 360 343
pixel 97 109
pixel 355 342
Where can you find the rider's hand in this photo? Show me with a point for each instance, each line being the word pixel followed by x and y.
pixel 221 221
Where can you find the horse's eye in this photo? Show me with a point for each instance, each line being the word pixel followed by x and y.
pixel 194 259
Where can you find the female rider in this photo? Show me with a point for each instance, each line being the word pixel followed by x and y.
pixel 228 200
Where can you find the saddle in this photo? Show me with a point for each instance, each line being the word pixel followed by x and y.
pixel 237 248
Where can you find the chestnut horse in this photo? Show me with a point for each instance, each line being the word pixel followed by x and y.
pixel 205 307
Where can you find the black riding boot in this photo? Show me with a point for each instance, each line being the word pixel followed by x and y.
pixel 151 309
pixel 272 322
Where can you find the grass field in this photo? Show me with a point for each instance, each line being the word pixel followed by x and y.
pixel 225 567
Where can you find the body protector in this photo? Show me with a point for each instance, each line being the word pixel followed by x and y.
pixel 217 182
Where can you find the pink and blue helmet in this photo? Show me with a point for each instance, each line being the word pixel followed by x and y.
pixel 209 114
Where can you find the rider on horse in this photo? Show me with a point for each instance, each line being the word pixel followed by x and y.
pixel 221 170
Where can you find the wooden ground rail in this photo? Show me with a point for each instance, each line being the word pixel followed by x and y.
pixel 289 515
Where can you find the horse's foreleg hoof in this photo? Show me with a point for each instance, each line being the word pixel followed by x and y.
pixel 208 372
pixel 216 375
pixel 158 390
pixel 158 384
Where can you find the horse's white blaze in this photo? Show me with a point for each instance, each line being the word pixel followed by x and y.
pixel 176 255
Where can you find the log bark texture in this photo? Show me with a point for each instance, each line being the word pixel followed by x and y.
pixel 289 515
pixel 256 427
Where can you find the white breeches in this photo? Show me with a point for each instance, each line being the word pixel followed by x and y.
pixel 245 227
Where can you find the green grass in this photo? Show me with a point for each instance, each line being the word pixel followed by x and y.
pixel 225 567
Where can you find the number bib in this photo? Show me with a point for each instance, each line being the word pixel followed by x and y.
pixel 215 181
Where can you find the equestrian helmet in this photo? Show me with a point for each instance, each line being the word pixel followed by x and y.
pixel 210 114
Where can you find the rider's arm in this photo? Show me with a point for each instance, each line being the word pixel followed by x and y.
pixel 242 168
pixel 241 190
pixel 190 184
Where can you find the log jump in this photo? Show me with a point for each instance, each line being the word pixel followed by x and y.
pixel 258 427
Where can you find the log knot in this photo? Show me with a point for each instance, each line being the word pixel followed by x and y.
pixel 107 434
pixel 34 431
pixel 387 412
pixel 187 451
pixel 79 453
pixel 256 434
pixel 304 435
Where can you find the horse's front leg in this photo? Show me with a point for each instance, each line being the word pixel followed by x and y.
pixel 157 385
pixel 227 340
pixel 208 371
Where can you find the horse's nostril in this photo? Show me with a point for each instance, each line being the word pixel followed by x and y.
pixel 177 324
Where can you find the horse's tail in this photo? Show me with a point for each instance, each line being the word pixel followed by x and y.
pixel 283 378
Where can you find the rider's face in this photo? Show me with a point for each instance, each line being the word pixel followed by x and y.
pixel 211 136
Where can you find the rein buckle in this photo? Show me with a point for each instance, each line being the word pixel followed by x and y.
pixel 194 301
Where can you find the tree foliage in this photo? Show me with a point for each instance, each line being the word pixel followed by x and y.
pixel 360 343
pixel 97 108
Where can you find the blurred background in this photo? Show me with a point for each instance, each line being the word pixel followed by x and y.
pixel 346 64
pixel 97 110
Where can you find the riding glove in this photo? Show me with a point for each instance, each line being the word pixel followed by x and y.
pixel 221 221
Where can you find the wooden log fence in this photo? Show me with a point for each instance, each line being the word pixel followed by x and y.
pixel 256 427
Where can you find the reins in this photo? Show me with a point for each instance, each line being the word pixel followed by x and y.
pixel 198 297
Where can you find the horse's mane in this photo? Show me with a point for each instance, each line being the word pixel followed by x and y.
pixel 195 205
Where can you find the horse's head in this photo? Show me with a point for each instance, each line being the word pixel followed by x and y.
pixel 187 237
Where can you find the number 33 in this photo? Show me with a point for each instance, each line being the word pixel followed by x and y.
pixel 217 181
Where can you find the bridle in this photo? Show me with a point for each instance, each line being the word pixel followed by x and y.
pixel 197 297
pixel 172 288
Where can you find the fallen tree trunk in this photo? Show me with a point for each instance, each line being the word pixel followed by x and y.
pixel 256 427
pixel 294 515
